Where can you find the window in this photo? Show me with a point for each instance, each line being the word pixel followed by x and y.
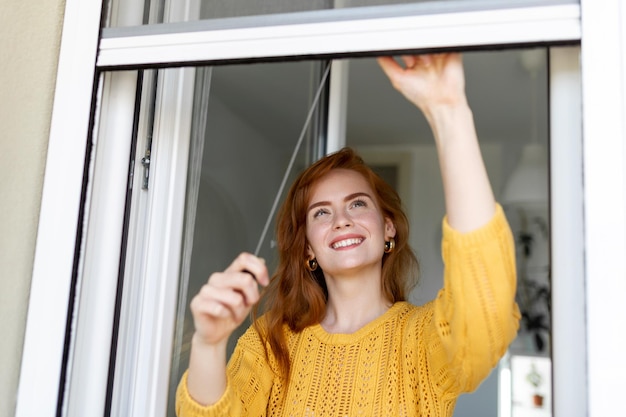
pixel 112 56
pixel 244 122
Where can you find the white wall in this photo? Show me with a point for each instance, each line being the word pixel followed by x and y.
pixel 30 33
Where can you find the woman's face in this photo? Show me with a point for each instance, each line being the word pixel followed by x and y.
pixel 345 228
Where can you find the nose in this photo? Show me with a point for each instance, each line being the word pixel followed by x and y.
pixel 342 219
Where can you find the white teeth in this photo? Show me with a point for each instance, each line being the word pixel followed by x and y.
pixel 347 242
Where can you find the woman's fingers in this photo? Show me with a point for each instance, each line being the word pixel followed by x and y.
pixel 224 303
pixel 390 67
pixel 217 312
pixel 254 265
pixel 225 300
pixel 412 63
pixel 428 81
pixel 409 60
pixel 240 282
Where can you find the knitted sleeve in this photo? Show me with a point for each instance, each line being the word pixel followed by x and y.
pixel 475 315
pixel 250 380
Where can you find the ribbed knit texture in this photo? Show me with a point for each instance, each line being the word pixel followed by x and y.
pixel 411 361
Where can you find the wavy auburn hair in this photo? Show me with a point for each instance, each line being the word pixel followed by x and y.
pixel 296 297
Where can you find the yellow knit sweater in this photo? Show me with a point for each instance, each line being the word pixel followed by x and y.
pixel 411 361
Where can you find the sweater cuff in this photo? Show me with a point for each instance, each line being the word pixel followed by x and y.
pixel 494 228
pixel 186 406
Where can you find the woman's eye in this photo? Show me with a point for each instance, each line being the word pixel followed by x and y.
pixel 319 213
pixel 358 203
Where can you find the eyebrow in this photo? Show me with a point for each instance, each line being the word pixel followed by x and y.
pixel 346 198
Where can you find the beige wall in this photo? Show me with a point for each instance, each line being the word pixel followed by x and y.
pixel 30 33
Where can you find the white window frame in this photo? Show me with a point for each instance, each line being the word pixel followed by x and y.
pixel 566 235
pixel 170 44
pixel 44 340
pixel 597 25
pixel 603 65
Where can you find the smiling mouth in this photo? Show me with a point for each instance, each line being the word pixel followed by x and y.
pixel 346 243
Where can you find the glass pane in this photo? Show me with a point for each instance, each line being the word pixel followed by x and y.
pixel 248 120
pixel 212 9
pixel 508 93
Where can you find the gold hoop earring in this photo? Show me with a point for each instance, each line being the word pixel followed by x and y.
pixel 390 245
pixel 311 264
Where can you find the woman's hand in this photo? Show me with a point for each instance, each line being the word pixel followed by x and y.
pixel 226 299
pixel 431 82
pixel 436 84
pixel 218 309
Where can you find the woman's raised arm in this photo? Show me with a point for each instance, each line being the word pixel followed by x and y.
pixel 436 85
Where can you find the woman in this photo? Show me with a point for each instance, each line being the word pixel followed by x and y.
pixel 338 337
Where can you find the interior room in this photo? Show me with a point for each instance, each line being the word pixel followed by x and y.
pixel 269 116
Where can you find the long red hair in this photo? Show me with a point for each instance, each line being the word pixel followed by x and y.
pixel 296 297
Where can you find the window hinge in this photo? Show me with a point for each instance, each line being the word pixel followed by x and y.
pixel 131 174
pixel 145 162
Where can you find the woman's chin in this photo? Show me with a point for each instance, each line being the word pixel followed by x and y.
pixel 351 268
